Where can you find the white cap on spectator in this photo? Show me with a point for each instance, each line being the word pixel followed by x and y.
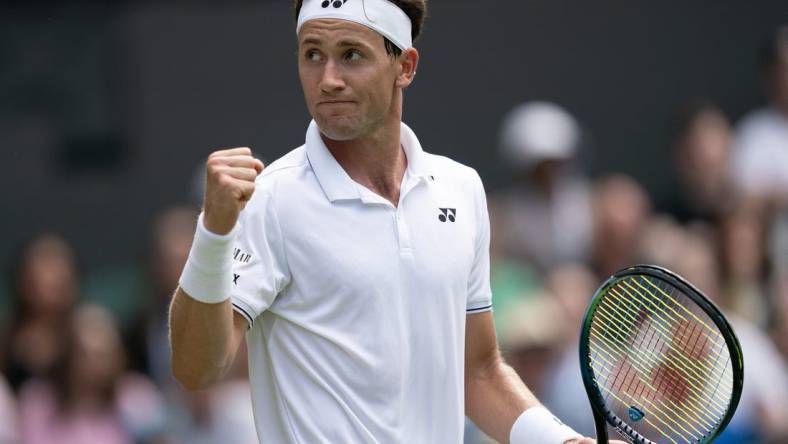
pixel 536 131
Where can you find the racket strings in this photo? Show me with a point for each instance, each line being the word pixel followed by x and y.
pixel 648 350
pixel 683 307
pixel 718 340
pixel 653 359
pixel 661 412
pixel 690 368
pixel 663 417
pixel 668 323
pixel 643 377
pixel 653 356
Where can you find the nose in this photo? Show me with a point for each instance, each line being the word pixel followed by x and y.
pixel 331 80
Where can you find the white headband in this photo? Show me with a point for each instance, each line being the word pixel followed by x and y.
pixel 379 15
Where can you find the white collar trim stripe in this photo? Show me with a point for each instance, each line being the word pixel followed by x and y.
pixel 379 15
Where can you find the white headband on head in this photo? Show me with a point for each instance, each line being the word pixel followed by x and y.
pixel 379 15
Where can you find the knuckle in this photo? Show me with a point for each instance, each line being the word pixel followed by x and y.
pixel 224 181
pixel 213 162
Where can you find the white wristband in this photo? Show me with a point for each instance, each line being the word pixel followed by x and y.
pixel 207 275
pixel 538 426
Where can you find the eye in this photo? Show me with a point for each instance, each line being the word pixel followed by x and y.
pixel 353 55
pixel 312 55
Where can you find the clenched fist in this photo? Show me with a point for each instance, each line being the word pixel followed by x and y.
pixel 229 184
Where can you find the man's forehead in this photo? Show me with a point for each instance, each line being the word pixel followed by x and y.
pixel 335 29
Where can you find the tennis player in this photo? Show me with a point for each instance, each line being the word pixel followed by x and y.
pixel 357 265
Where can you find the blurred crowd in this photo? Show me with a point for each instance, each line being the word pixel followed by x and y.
pixel 74 371
pixel 557 233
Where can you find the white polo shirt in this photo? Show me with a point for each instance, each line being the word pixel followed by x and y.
pixel 357 307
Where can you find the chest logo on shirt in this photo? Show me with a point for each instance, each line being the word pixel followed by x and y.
pixel 449 214
pixel 241 256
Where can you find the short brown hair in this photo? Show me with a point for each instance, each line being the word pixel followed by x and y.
pixel 416 10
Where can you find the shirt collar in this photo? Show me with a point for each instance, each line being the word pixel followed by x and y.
pixel 417 160
pixel 335 181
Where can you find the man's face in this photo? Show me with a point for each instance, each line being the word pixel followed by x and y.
pixel 348 78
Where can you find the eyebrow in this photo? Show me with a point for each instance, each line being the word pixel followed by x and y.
pixel 341 44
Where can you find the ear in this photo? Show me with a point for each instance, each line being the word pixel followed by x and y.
pixel 408 61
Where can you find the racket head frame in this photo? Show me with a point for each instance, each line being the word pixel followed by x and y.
pixel 602 417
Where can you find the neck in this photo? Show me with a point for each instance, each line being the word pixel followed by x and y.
pixel 375 161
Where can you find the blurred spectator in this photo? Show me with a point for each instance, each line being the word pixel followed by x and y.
pixel 222 414
pixel 9 421
pixel 778 256
pixel 702 155
pixel 545 217
pixel 571 286
pixel 511 278
pixel 529 337
pixel 763 407
pixel 170 241
pixel 743 257
pixel 44 290
pixel 621 210
pixel 90 397
pixel 761 157
pixel 780 327
pixel 777 243
pixel 661 241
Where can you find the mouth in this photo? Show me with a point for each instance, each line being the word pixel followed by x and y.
pixel 335 102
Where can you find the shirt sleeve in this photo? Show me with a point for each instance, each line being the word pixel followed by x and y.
pixel 260 270
pixel 479 292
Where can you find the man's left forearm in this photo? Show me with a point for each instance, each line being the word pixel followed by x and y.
pixel 495 397
pixel 497 400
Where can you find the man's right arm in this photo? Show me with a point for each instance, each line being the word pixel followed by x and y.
pixel 205 331
pixel 204 339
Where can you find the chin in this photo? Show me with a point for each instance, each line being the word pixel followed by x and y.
pixel 339 128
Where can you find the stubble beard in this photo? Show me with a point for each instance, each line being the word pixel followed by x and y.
pixel 340 128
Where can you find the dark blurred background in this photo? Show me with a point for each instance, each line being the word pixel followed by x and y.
pixel 108 109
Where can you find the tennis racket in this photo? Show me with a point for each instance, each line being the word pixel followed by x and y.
pixel 659 361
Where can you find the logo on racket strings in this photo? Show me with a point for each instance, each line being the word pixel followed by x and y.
pixel 635 414
pixel 334 3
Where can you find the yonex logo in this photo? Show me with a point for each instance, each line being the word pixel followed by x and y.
pixel 235 278
pixel 635 414
pixel 335 3
pixel 447 213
